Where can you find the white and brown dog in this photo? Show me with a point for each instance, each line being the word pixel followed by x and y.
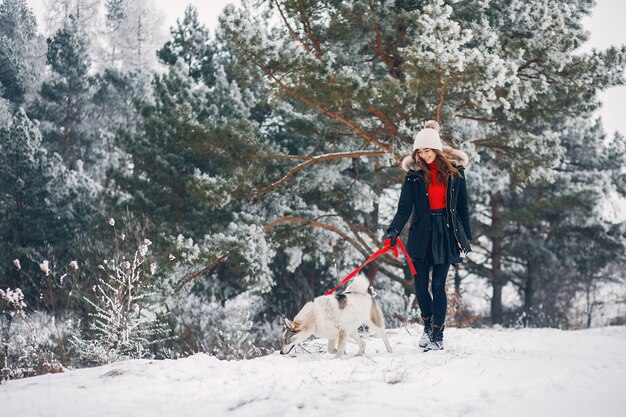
pixel 337 318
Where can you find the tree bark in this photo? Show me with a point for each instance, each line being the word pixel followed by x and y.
pixel 372 222
pixel 67 126
pixel 529 295
pixel 457 281
pixel 496 262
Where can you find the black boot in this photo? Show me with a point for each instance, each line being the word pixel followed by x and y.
pixel 436 340
pixel 428 331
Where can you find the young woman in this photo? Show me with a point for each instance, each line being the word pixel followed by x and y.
pixel 434 191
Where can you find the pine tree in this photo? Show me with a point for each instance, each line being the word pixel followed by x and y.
pixel 65 97
pixel 563 239
pixel 43 203
pixel 502 79
pixel 183 178
pixel 117 95
pixel 163 164
pixel 522 142
pixel 18 43
pixel 190 43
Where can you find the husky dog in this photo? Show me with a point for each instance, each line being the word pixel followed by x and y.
pixel 337 318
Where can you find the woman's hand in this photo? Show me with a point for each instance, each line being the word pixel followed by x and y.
pixel 392 236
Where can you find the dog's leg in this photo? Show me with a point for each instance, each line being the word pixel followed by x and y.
pixel 359 340
pixel 332 346
pixel 341 344
pixel 377 320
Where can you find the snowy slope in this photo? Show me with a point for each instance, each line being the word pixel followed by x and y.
pixel 483 372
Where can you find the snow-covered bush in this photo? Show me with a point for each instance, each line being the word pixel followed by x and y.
pixel 31 343
pixel 229 330
pixel 123 324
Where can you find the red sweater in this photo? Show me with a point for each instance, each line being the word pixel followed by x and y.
pixel 436 191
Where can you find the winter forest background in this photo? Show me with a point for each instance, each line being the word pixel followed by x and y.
pixel 163 194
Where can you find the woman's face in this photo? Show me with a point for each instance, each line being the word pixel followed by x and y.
pixel 428 155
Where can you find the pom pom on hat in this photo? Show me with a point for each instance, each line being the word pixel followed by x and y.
pixel 428 137
pixel 432 124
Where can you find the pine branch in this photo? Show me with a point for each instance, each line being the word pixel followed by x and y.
pixel 314 223
pixel 332 115
pixel 394 277
pixel 305 222
pixel 389 124
pixel 270 156
pixel 442 90
pixel 293 93
pixel 355 229
pixel 293 34
pixel 313 160
pixel 527 64
pixel 360 246
pixel 388 59
pixel 482 119
pixel 308 30
pixel 480 269
pixel 195 275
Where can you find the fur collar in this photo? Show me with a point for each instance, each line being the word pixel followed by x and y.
pixel 457 157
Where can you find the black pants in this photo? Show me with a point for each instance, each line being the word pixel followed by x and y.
pixel 437 304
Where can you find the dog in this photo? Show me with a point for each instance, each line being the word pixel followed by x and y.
pixel 337 318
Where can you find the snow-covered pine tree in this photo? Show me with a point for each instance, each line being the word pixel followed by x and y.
pixel 177 179
pixel 190 43
pixel 163 162
pixel 114 105
pixel 64 98
pixel 565 245
pixel 43 205
pixel 521 141
pixel 500 77
pixel 20 67
pixel 185 183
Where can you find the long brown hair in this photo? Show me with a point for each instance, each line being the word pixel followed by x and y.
pixel 445 170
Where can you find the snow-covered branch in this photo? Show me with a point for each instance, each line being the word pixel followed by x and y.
pixel 313 160
pixel 293 34
pixel 195 275
pixel 388 59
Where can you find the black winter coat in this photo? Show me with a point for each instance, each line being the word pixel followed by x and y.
pixel 414 199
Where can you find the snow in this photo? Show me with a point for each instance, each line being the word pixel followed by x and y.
pixel 482 372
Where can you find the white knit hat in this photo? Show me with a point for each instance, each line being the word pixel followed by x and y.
pixel 428 137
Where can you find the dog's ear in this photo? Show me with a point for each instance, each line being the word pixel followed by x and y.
pixel 288 323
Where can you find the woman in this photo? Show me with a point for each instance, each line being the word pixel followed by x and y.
pixel 434 191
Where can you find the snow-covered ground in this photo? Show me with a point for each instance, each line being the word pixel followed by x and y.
pixel 482 372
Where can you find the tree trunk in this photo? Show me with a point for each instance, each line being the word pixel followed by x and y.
pixel 529 295
pixel 590 289
pixel 496 262
pixel 67 126
pixel 373 223
pixel 457 281
pixel 179 206
pixel 19 224
pixel 496 303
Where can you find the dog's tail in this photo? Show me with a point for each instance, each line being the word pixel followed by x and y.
pixel 359 284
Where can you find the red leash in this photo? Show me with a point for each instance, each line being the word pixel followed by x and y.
pixel 376 254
